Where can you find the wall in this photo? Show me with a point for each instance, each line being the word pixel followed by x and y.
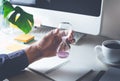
pixel 111 19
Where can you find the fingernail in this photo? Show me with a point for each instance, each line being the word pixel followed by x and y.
pixel 56 30
pixel 72 41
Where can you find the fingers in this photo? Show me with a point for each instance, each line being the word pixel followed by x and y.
pixel 51 34
pixel 71 41
pixel 70 38
pixel 70 35
pixel 55 32
pixel 54 37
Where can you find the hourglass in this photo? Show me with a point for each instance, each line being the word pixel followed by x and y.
pixel 64 47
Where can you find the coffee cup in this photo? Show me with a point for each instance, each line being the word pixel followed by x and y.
pixel 110 50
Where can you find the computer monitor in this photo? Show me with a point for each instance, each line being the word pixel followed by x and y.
pixel 84 15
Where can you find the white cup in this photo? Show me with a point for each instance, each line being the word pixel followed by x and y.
pixel 110 49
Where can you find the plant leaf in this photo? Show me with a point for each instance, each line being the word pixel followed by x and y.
pixel 7 7
pixel 29 17
pixel 24 21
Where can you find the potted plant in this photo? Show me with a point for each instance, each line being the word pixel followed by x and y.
pixel 17 16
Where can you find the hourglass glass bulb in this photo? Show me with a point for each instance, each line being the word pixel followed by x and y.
pixel 63 49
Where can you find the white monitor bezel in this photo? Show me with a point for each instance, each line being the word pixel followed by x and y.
pixel 81 23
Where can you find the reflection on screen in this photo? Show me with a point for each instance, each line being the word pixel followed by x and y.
pixel 87 7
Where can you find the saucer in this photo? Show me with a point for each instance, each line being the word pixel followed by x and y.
pixel 103 60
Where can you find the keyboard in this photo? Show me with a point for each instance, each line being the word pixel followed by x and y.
pixel 41 31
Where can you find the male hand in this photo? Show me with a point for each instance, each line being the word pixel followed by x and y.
pixel 49 44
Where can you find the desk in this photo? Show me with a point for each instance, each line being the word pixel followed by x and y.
pixel 82 54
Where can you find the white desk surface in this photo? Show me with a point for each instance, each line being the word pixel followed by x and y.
pixel 82 54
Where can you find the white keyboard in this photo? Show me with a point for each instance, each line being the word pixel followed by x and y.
pixel 41 31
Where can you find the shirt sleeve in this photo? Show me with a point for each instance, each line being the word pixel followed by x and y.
pixel 12 63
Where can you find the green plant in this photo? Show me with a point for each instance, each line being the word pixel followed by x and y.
pixel 17 16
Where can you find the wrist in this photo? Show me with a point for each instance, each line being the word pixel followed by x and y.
pixel 33 53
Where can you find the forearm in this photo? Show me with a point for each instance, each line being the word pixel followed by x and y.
pixel 12 63
pixel 16 61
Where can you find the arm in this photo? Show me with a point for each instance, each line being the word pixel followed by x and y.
pixel 12 63
pixel 47 47
pixel 17 61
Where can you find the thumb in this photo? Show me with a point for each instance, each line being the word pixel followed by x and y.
pixel 55 32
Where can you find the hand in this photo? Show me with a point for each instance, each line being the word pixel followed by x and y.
pixel 48 45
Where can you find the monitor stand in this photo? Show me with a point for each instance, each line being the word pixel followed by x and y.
pixel 78 36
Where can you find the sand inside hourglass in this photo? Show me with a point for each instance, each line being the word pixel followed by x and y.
pixel 63 49
pixel 63 54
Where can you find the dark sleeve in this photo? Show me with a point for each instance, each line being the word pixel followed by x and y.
pixel 12 63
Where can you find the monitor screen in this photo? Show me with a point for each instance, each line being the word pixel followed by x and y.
pixel 87 7
pixel 84 15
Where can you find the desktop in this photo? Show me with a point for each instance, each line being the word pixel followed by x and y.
pixel 85 17
pixel 51 13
